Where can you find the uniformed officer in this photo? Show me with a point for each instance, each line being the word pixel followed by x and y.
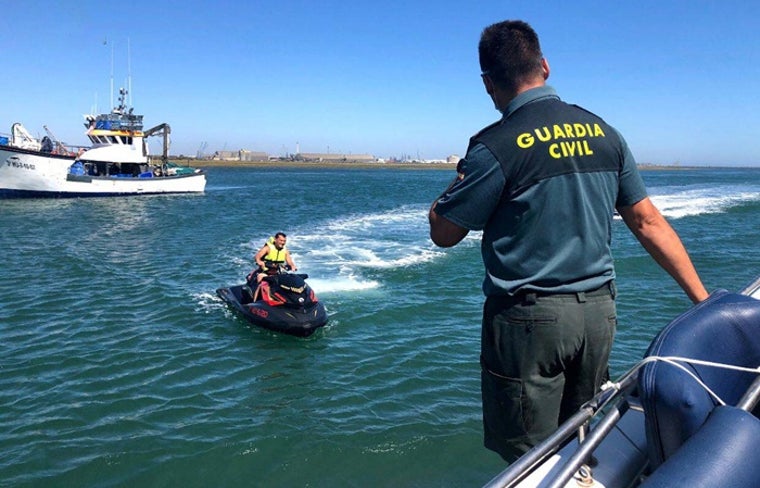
pixel 542 184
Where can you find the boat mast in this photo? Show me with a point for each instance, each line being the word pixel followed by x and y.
pixel 112 76
pixel 129 72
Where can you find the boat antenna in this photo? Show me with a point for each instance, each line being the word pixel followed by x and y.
pixel 111 75
pixel 129 73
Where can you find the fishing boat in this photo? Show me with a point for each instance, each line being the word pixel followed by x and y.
pixel 117 163
pixel 685 416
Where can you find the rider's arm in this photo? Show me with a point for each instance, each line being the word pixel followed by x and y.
pixel 259 258
pixel 259 262
pixel 290 261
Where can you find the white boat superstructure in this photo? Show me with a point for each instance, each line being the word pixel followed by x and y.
pixel 117 163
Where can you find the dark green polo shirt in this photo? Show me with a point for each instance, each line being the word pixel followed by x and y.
pixel 542 184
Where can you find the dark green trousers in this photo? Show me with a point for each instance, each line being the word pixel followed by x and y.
pixel 542 357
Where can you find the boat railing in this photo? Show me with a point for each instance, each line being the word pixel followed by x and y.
pixel 752 289
pixel 575 426
pixel 751 396
pixel 617 395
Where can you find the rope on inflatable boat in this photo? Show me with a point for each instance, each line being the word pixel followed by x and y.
pixel 675 361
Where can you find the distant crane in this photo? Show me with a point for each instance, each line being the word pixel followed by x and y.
pixel 201 150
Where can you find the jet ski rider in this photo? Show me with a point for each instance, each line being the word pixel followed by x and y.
pixel 270 258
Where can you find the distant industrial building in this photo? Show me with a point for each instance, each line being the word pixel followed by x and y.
pixel 241 155
pixel 245 155
pixel 335 158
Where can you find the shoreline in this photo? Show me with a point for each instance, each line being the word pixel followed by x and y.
pixel 363 165
pixel 317 165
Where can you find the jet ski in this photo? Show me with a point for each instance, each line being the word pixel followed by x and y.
pixel 283 303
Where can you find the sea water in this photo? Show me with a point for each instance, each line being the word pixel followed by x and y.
pixel 119 366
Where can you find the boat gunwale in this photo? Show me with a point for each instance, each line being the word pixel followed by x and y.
pixel 530 462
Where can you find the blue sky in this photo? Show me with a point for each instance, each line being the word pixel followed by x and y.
pixel 678 78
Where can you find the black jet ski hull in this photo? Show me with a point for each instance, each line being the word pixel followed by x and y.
pixel 300 322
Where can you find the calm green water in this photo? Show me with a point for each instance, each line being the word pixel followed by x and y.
pixel 120 367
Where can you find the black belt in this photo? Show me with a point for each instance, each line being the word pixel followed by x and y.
pixel 528 297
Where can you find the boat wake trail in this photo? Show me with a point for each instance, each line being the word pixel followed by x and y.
pixel 344 254
pixel 677 202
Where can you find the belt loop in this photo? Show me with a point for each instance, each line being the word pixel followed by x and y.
pixel 529 299
pixel 613 289
pixel 581 296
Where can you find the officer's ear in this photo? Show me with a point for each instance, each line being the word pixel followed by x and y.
pixel 487 83
pixel 545 68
